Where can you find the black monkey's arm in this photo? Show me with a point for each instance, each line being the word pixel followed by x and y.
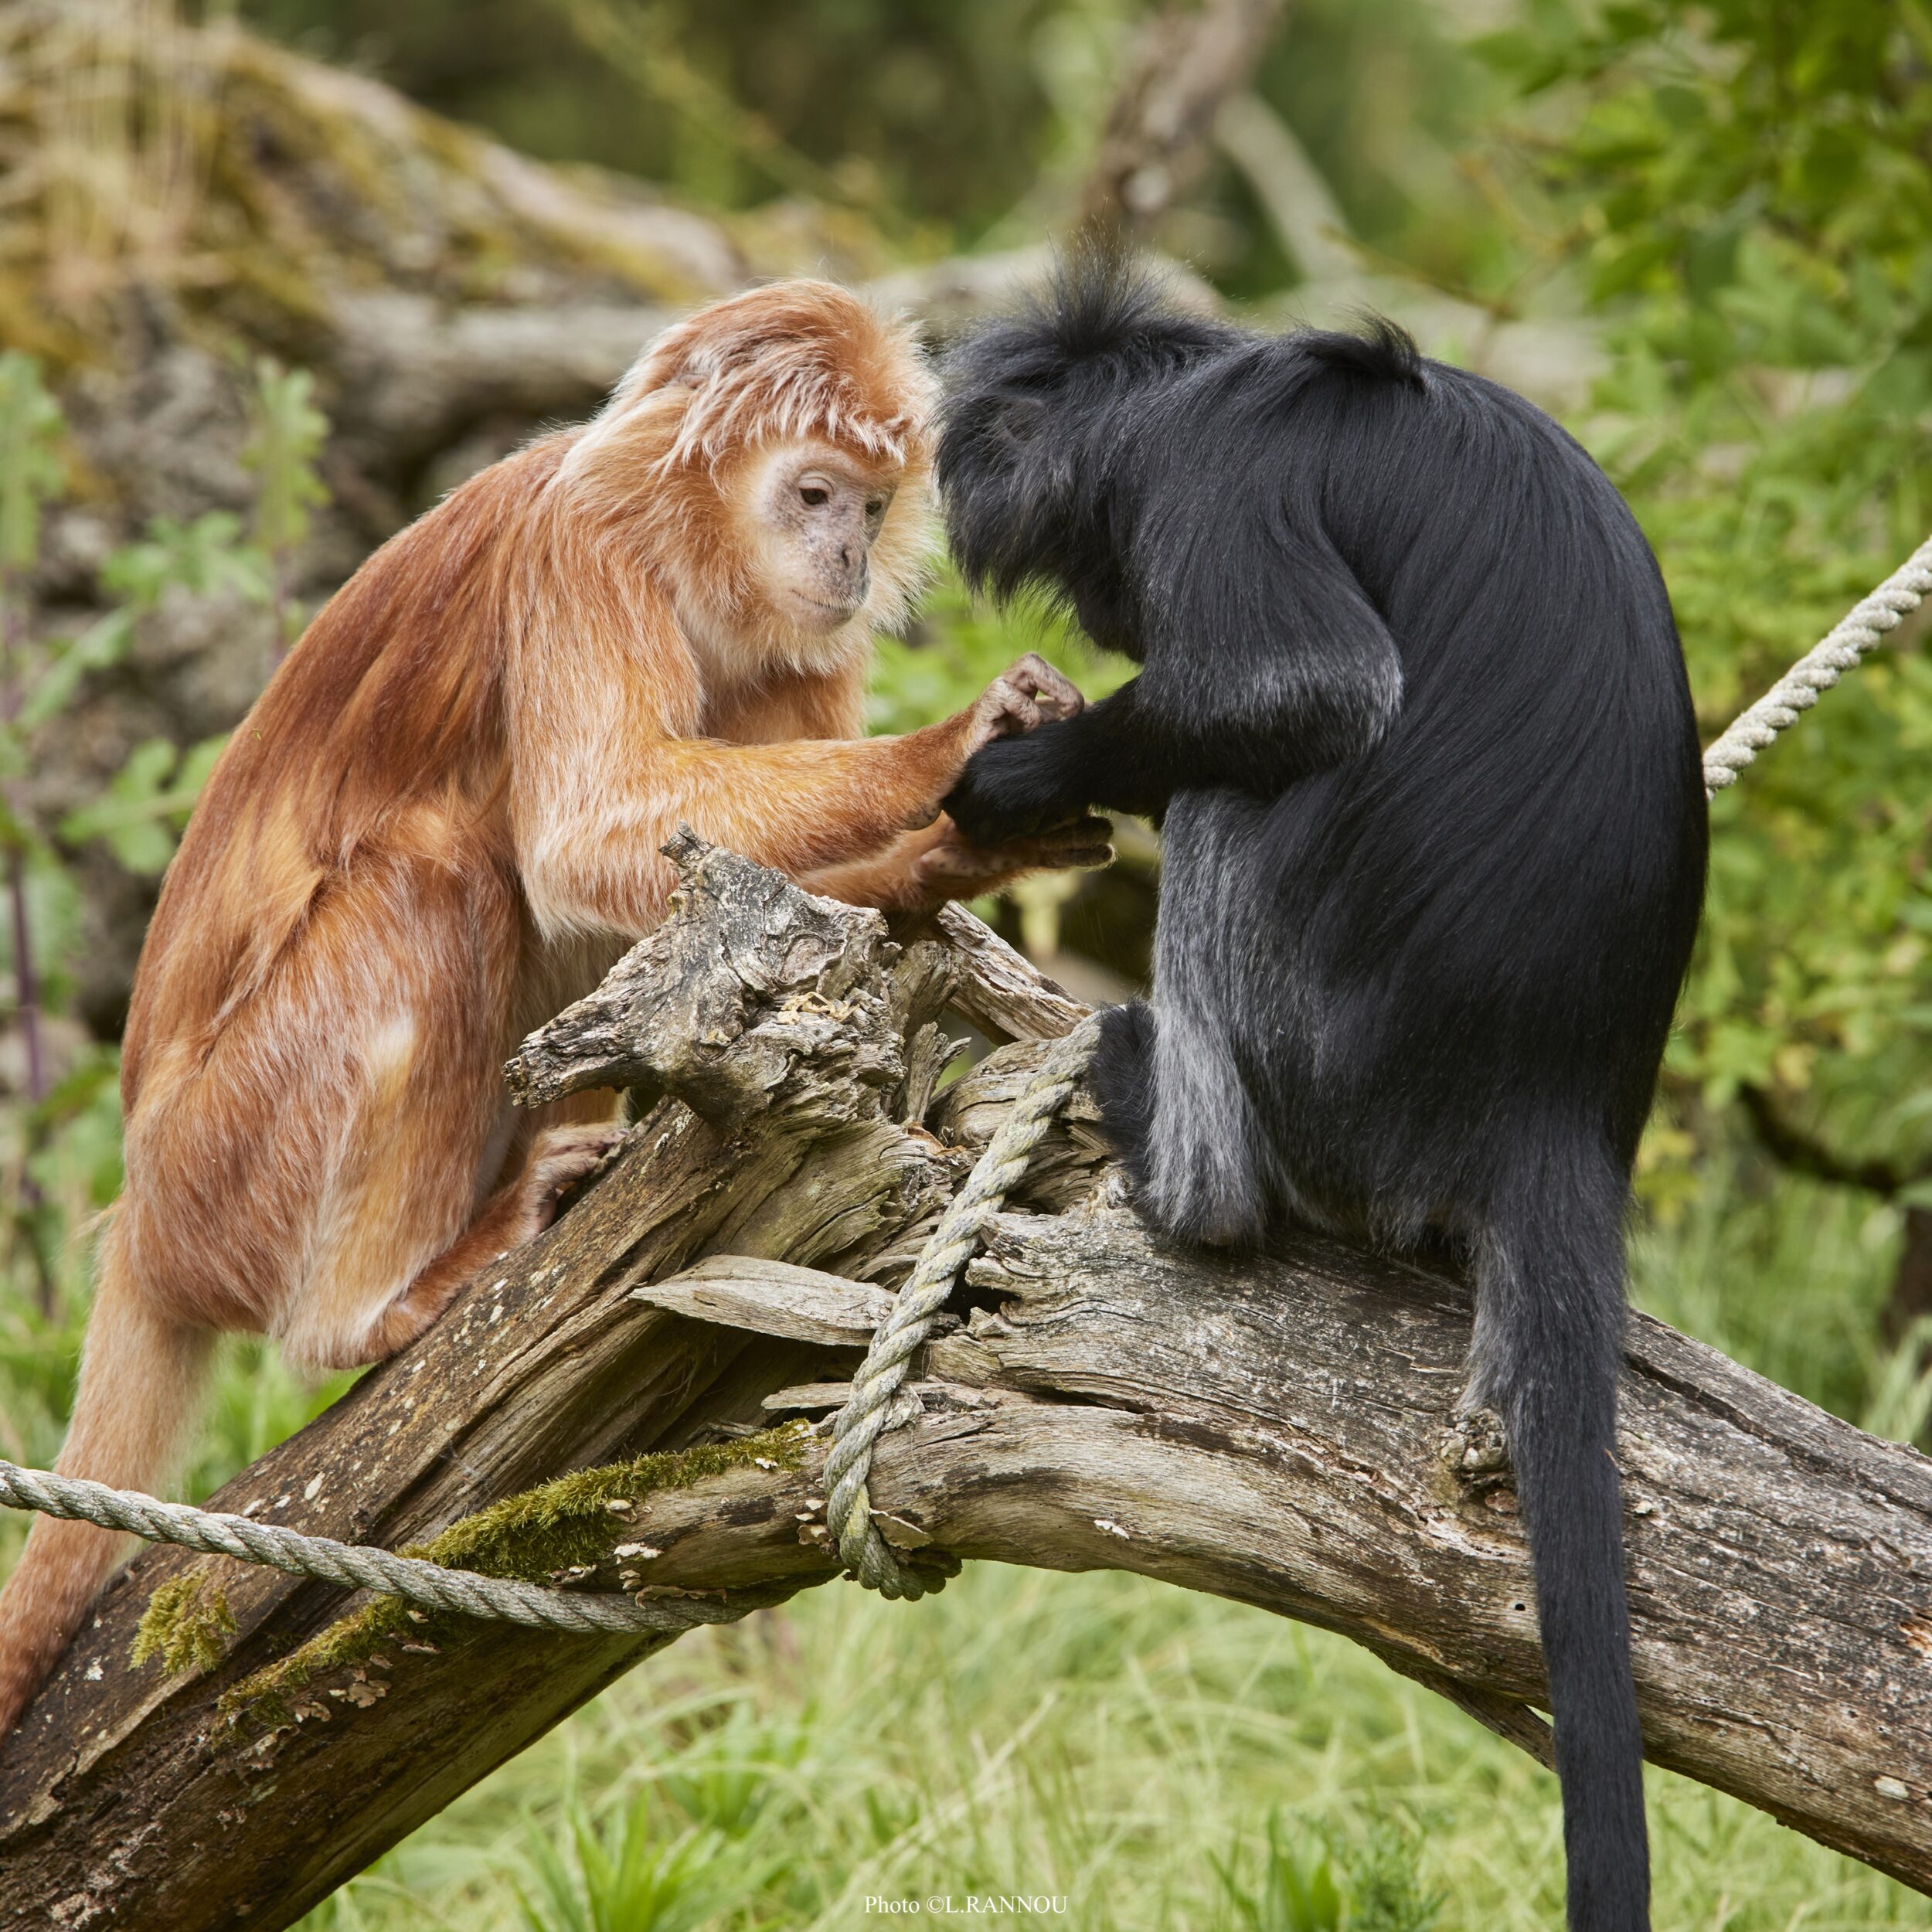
pixel 1265 663
pixel 1055 771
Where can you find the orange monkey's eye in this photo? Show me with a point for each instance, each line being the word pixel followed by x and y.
pixel 875 509
pixel 814 496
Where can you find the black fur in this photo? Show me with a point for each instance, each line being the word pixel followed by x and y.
pixel 1412 707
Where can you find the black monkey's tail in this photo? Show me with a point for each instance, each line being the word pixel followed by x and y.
pixel 1549 1347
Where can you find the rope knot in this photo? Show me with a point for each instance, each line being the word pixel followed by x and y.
pixel 856 1429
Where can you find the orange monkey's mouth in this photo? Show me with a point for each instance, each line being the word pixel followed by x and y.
pixel 828 614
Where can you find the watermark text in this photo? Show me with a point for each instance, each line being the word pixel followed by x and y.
pixel 961 1905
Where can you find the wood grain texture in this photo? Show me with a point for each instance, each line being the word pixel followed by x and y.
pixel 1286 1433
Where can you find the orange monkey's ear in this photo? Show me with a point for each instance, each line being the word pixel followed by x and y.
pixel 672 360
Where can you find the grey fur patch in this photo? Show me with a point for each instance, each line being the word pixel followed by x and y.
pixel 1207 1146
pixel 1202 1176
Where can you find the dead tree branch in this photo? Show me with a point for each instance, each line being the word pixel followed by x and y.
pixel 1184 65
pixel 1285 1433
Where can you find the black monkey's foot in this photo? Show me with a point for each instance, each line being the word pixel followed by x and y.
pixel 1474 1449
pixel 1121 1076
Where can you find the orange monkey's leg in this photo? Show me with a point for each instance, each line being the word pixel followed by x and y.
pixel 519 1210
pixel 406 1221
pixel 141 1377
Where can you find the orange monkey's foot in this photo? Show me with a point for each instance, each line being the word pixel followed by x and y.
pixel 561 1157
pixel 23 1666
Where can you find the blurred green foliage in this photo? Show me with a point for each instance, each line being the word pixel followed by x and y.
pixel 625 1876
pixel 961 119
pixel 1342 1882
pixel 1383 95
pixel 939 105
pixel 61 1147
pixel 958 647
pixel 1100 1738
pixel 1742 190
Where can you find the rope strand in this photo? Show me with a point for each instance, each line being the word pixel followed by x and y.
pixel 1842 650
pixel 353 1566
pixel 856 1429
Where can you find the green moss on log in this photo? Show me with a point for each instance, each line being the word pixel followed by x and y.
pixel 187 1624
pixel 559 1525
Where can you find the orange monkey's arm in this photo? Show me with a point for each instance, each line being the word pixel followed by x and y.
pixel 599 780
pixel 917 871
pixel 591 861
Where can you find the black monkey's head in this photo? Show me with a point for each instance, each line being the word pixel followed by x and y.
pixel 1038 429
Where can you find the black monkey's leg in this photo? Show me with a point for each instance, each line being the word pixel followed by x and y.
pixel 1208 1157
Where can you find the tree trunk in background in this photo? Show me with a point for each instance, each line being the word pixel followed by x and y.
pixel 1186 63
pixel 1910 1296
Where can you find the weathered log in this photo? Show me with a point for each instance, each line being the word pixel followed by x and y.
pixel 1286 1433
pixel 544 1364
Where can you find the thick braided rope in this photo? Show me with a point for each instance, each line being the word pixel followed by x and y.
pixel 1819 668
pixel 500 1599
pixel 860 1423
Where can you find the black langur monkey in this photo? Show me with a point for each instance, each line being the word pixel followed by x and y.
pixel 1412 709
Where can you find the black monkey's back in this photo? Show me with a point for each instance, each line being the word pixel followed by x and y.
pixel 1497 896
pixel 1412 706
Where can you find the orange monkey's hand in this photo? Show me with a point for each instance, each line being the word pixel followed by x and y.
pixel 953 867
pixel 1029 693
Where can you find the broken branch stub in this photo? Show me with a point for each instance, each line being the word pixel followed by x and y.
pixel 708 1008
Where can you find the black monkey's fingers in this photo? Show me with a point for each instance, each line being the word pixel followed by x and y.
pixel 1087 825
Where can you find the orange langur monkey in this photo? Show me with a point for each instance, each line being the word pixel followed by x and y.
pixel 440 823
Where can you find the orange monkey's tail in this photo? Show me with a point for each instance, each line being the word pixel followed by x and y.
pixel 141 1377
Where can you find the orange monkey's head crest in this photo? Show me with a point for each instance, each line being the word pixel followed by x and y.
pixel 796 360
pixel 771 455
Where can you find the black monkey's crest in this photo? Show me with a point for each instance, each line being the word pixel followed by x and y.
pixel 1383 350
pixel 1103 303
pixel 1032 420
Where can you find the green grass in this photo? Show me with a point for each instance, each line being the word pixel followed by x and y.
pixel 1155 1758
pixel 1095 1737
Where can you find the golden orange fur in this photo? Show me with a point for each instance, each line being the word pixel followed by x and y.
pixel 440 823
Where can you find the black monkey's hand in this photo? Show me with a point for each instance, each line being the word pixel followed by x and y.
pixel 1013 788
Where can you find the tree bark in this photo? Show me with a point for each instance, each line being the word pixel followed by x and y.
pixel 1285 1432
pixel 1185 64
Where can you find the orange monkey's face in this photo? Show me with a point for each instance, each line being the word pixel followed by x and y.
pixel 816 511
